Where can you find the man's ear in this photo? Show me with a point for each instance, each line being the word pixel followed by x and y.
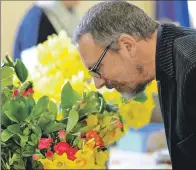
pixel 128 42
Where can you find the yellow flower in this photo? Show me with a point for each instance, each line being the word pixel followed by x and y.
pixel 152 88
pixel 47 163
pixel 58 162
pixel 16 82
pixel 85 156
pixel 101 157
pixel 59 116
pixel 106 122
pixel 112 136
pixel 92 120
pixel 112 96
pixel 136 114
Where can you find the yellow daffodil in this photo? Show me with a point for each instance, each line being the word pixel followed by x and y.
pixel 59 116
pixel 152 88
pixel 92 120
pixel 136 114
pixel 57 162
pixel 101 157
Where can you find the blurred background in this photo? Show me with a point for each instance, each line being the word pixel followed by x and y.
pixel 24 24
pixel 13 12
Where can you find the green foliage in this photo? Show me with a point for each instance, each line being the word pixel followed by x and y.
pixel 21 71
pixel 25 121
pixel 7 75
pixel 72 120
pixel 68 96
pixel 141 97
pixel 93 102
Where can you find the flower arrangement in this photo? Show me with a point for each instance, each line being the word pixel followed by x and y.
pixel 58 60
pixel 34 137
pixel 53 117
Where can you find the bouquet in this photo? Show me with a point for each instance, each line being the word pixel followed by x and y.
pixel 57 60
pixel 42 134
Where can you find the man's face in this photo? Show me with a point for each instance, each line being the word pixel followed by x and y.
pixel 119 69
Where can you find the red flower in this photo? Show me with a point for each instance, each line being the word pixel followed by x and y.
pixel 61 134
pixel 71 153
pixel 35 157
pixel 49 154
pixel 93 134
pixel 25 93
pixel 30 91
pixel 118 124
pixel 15 93
pixel 45 143
pixel 61 147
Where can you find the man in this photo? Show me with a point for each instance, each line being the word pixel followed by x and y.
pixel 125 49
pixel 45 18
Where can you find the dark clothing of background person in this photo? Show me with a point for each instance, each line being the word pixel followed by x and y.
pixel 34 29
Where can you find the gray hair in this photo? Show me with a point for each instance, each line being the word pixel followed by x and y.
pixel 106 21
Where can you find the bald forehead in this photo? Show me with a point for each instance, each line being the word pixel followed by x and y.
pixel 89 50
pixel 86 39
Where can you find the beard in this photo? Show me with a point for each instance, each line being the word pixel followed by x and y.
pixel 127 92
pixel 130 94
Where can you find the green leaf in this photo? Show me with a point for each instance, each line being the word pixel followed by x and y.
pixel 31 143
pixel 141 97
pixel 40 107
pixel 8 61
pixel 23 140
pixel 15 158
pixel 68 96
pixel 15 110
pixel 5 120
pixel 7 74
pixel 14 129
pixel 53 127
pixel 9 109
pixel 29 103
pixel 6 135
pixel 21 71
pixel 6 94
pixel 72 120
pixel 53 108
pixel 92 103
pixel 22 112
pixel 76 141
pixel 36 129
pixel 26 131
pixel 25 85
pixel 20 165
pixel 29 151
pixel 34 138
pixel 44 121
pixel 85 129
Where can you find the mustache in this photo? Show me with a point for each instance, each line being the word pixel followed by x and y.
pixel 111 85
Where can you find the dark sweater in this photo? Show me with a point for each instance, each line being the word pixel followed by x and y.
pixel 176 78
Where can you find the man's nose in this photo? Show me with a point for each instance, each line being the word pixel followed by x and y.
pixel 99 82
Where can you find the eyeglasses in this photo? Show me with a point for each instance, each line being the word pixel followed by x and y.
pixel 94 70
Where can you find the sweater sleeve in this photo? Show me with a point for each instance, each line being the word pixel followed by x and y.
pixel 189 84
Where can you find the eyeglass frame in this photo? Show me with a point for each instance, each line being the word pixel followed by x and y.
pixel 95 68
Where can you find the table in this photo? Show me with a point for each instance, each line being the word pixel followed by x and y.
pixel 121 159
